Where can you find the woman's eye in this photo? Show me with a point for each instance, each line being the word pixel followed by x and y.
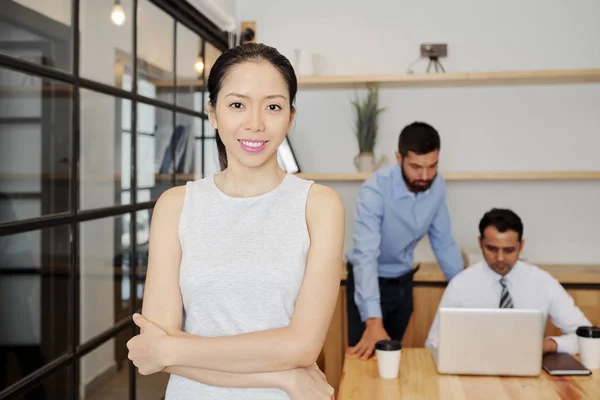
pixel 273 107
pixel 236 105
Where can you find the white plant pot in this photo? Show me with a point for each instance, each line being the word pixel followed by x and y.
pixel 365 162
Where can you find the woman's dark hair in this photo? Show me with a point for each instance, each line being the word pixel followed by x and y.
pixel 418 137
pixel 503 219
pixel 256 52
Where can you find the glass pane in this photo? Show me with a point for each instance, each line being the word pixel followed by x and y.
pixel 143 238
pixel 56 386
pixel 190 68
pixel 154 150
pixel 103 374
pixel 143 242
pixel 211 157
pixel 146 88
pixel 37 31
pixel 155 48
pixel 144 195
pixel 188 165
pixel 35 301
pixel 106 41
pixel 105 150
pixel 35 146
pixel 104 255
pixel 211 53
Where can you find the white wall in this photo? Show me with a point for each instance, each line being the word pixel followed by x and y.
pixel 517 128
pixel 380 36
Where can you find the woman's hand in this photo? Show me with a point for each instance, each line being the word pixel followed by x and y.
pixel 144 349
pixel 308 383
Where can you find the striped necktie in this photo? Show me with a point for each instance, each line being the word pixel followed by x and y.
pixel 505 299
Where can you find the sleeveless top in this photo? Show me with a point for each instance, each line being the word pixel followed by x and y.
pixel 242 265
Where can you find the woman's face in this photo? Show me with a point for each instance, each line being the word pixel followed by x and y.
pixel 253 113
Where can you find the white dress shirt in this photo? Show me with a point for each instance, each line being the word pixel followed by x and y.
pixel 530 287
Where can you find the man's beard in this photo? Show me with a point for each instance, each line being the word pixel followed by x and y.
pixel 418 185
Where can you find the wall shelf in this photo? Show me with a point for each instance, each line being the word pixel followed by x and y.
pixel 457 78
pixel 434 80
pixel 469 176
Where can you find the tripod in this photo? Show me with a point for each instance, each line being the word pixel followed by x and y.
pixel 436 63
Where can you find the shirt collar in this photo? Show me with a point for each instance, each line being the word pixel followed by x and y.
pixel 400 189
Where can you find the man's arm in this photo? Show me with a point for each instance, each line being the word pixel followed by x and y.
pixel 443 244
pixel 299 343
pixel 450 298
pixel 566 316
pixel 366 250
pixel 162 297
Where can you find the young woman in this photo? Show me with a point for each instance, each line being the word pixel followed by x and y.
pixel 244 267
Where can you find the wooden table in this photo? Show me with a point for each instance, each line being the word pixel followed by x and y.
pixel 582 282
pixel 418 379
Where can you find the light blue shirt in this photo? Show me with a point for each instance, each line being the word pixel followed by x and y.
pixel 389 222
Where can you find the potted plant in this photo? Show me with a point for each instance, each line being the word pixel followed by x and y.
pixel 366 130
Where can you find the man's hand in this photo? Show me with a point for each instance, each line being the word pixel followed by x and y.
pixel 373 333
pixel 549 346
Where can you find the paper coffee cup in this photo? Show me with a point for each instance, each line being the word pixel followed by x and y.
pixel 589 346
pixel 387 353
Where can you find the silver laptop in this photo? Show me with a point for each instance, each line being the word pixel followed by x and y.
pixel 490 341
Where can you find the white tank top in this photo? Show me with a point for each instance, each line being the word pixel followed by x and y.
pixel 243 262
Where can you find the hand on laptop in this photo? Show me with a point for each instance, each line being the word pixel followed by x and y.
pixel 549 346
pixel 373 333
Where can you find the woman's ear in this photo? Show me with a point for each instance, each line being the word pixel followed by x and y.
pixel 292 116
pixel 212 115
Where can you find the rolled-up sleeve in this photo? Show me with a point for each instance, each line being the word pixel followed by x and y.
pixel 566 316
pixel 367 239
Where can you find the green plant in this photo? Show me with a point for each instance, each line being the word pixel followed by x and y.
pixel 366 120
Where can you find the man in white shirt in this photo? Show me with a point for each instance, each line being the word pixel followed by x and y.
pixel 502 280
